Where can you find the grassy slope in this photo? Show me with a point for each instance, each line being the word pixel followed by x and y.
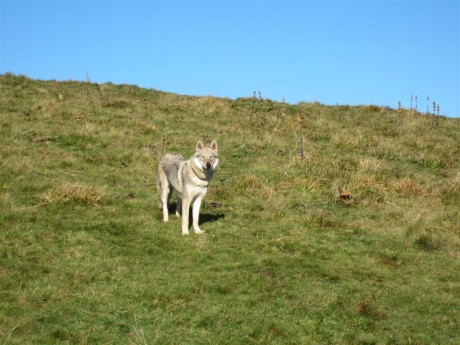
pixel 85 257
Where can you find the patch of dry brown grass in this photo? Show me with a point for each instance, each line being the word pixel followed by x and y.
pixel 78 194
pixel 371 164
pixel 250 183
pixel 410 187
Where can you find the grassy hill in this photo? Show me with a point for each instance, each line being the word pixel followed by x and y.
pixel 287 259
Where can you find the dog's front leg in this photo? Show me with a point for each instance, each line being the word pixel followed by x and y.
pixel 185 211
pixel 196 215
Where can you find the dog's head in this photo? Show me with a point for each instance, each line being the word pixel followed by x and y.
pixel 206 158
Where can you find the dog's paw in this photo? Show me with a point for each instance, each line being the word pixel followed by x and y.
pixel 185 233
pixel 199 232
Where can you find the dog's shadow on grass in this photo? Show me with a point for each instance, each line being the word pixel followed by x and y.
pixel 209 218
pixel 204 217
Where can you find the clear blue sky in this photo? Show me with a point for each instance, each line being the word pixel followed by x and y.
pixel 345 52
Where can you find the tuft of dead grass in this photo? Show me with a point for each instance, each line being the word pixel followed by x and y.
pixel 354 140
pixel 255 185
pixel 411 188
pixel 368 183
pixel 369 308
pixel 73 193
pixel 371 164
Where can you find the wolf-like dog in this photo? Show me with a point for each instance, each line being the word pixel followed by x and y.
pixel 189 179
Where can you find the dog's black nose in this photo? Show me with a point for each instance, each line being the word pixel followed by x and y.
pixel 208 165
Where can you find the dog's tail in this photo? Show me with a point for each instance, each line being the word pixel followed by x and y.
pixel 158 151
pixel 159 166
pixel 158 177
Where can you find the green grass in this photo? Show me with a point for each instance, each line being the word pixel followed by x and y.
pixel 86 259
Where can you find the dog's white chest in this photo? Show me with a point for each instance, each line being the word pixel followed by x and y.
pixel 198 186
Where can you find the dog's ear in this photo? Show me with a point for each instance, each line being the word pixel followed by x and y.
pixel 199 145
pixel 214 145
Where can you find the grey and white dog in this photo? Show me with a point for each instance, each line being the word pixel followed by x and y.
pixel 189 179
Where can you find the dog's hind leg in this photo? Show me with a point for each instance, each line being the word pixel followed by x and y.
pixel 165 191
pixel 179 205
pixel 165 195
pixel 170 192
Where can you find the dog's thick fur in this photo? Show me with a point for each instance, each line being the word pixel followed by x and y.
pixel 190 179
